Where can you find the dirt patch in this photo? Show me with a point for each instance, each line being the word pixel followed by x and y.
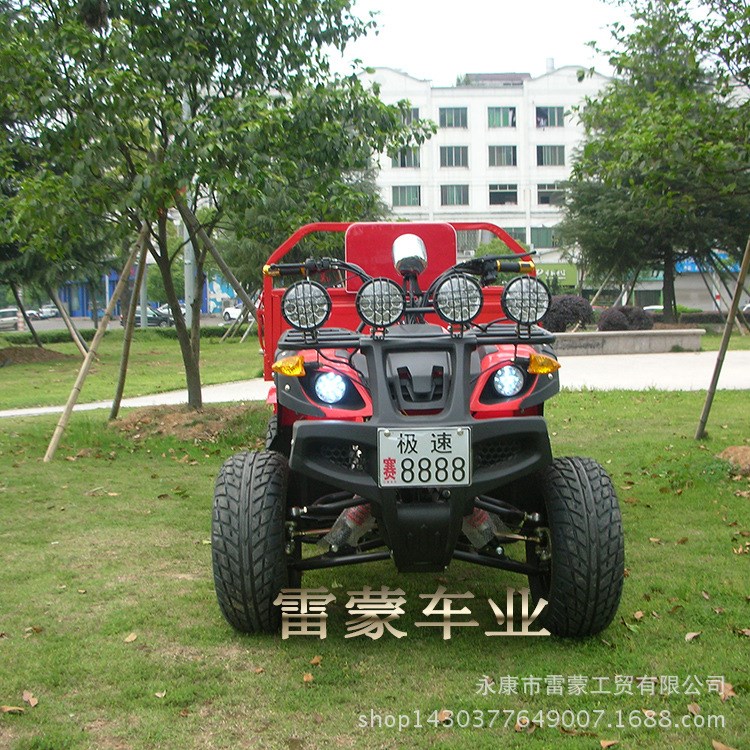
pixel 182 422
pixel 739 457
pixel 22 355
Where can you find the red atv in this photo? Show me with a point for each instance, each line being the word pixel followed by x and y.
pixel 408 424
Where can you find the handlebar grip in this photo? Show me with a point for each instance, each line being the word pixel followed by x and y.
pixel 516 266
pixel 285 269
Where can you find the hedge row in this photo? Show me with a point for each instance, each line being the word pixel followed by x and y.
pixel 61 335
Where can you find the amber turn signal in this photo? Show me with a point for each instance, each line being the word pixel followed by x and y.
pixel 541 364
pixel 293 366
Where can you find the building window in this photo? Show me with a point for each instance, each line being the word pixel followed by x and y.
pixel 406 157
pixel 454 156
pixel 501 117
pixel 411 115
pixel 550 117
pixel 544 237
pixel 453 117
pixel 550 194
pixel 502 194
pixel 517 233
pixel 454 195
pixel 407 195
pixel 503 156
pixel 550 156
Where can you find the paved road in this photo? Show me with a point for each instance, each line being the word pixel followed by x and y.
pixel 687 371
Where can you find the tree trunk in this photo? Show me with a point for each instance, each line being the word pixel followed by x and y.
pixel 669 300
pixel 190 360
pixel 26 318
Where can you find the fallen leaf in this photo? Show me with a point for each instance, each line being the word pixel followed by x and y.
pixel 654 539
pixel 719 610
pixel 259 670
pixel 3 634
pixel 28 697
pixel 12 710
pixel 184 712
pixel 694 708
pixel 316 661
pixel 684 540
pixel 525 725
pixel 745 631
pixel 648 712
pixel 705 595
pixel 716 745
pixel 727 692
pixel 692 636
pixel 160 694
pixel 307 678
pixel 638 616
pixel 607 743
pixel 130 638
pixel 444 715
pixel 34 629
pixel 675 609
pixel 81 591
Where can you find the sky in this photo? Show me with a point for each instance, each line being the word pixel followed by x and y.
pixel 439 41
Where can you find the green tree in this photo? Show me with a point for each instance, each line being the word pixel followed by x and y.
pixel 663 173
pixel 135 105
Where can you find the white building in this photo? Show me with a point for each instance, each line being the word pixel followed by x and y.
pixel 504 143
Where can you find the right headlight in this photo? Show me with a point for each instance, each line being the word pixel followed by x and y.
pixel 458 298
pixel 306 305
pixel 525 300
pixel 380 302
pixel 508 381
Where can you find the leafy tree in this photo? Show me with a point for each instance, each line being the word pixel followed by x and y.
pixel 136 105
pixel 663 173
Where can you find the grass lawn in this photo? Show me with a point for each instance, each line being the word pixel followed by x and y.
pixel 111 539
pixel 711 340
pixel 155 366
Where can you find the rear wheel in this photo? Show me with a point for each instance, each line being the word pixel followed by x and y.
pixel 250 563
pixel 584 549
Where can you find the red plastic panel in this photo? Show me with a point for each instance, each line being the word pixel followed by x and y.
pixel 369 246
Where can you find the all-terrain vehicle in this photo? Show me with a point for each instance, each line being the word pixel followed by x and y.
pixel 408 395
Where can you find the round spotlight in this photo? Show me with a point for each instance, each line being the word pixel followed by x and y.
pixel 380 302
pixel 458 299
pixel 508 380
pixel 330 387
pixel 306 305
pixel 525 300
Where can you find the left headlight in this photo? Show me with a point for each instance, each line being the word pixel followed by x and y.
pixel 458 298
pixel 330 387
pixel 525 300
pixel 306 305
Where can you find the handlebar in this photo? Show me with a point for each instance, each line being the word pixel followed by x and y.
pixel 312 266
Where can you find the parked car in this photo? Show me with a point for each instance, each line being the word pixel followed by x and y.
pixel 656 309
pixel 408 426
pixel 232 313
pixel 154 318
pixel 48 311
pixel 9 319
pixel 166 310
pixel 33 314
pixel 746 309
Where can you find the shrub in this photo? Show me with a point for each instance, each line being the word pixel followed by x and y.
pixel 638 319
pixel 567 310
pixel 702 317
pixel 613 320
pixel 625 319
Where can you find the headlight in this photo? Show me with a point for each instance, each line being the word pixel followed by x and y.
pixel 330 387
pixel 306 305
pixel 458 299
pixel 508 380
pixel 525 300
pixel 380 302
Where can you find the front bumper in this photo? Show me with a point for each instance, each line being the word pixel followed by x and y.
pixel 421 535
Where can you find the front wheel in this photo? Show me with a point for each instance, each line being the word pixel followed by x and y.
pixel 250 563
pixel 584 549
pixel 227 317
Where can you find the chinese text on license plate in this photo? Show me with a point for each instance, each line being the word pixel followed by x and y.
pixel 424 457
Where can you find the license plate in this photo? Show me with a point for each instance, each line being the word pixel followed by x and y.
pixel 424 457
